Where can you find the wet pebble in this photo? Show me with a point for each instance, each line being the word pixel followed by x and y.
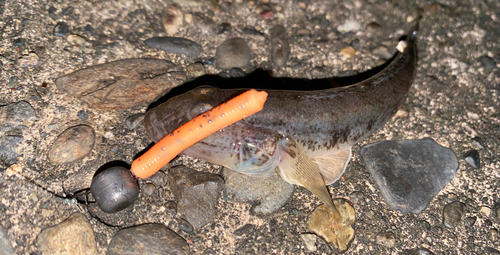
pixel 61 29
pixel 382 52
pixel 5 245
pixel 72 236
pixel 122 84
pixel 175 45
pixel 8 148
pixel 205 24
pixel 386 239
pixel 472 157
pixel 349 26
pixel 232 73
pixel 310 241
pixel 13 115
pixel 148 239
pixel 232 53
pixel 73 144
pixel 196 194
pixel 280 48
pixel 30 59
pixel 323 223
pixel 195 70
pixel 348 52
pixel 265 194
pixel 407 187
pixel 452 214
pixel 135 120
pixel 148 189
pixel 172 19
pixel 185 226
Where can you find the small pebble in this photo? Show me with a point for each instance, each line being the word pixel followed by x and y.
pixel 195 70
pixel 232 73
pixel 77 40
pixel 487 62
pixel 61 29
pixel 348 52
pixel 185 226
pixel 82 115
pixel 148 189
pixel 172 19
pixel 478 143
pixel 386 239
pixel 452 214
pixel 266 14
pixel 15 114
pixel 223 28
pixel 73 144
pixel 254 33
pixel 280 48
pixel 89 29
pixel 175 45
pixel 8 148
pixel 472 157
pixel 31 59
pixel 382 52
pixel 148 239
pixel 401 113
pixel 303 31
pixel 189 3
pixel 310 241
pixel 133 121
pixel 232 53
pixel 19 42
pixel 373 26
pixel 493 235
pixel 206 25
pixel 245 229
pixel 349 26
pixel 72 236
pixel 68 11
pixel 470 221
pixel 485 211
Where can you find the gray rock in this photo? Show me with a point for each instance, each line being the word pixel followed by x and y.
pixel 15 114
pixel 472 157
pixel 196 194
pixel 185 226
pixel 133 121
pixel 175 45
pixel 61 29
pixel 73 144
pixel 452 214
pixel 409 173
pixel 232 53
pixel 206 25
pixel 265 194
pixel 72 236
pixel 5 245
pixel 8 148
pixel 280 48
pixel 148 239
pixel 122 84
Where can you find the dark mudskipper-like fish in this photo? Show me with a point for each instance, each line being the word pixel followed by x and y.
pixel 304 136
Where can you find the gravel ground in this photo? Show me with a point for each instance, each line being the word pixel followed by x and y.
pixel 453 100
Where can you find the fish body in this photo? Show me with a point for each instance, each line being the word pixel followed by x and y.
pixel 305 136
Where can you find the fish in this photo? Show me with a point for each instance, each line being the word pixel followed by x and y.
pixel 304 136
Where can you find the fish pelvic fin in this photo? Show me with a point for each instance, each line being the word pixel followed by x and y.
pixel 297 167
pixel 333 165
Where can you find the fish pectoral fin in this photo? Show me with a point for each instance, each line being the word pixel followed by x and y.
pixel 333 165
pixel 297 167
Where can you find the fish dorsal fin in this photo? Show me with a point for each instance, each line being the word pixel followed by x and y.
pixel 333 165
pixel 297 167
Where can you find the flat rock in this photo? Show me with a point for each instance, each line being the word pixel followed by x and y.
pixel 148 239
pixel 72 236
pixel 5 245
pixel 8 148
pixel 265 194
pixel 121 84
pixel 196 194
pixel 232 53
pixel 175 45
pixel 280 48
pixel 409 173
pixel 15 114
pixel 73 144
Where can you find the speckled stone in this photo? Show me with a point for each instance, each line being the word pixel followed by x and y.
pixel 196 194
pixel 73 144
pixel 15 114
pixel 232 53
pixel 122 84
pixel 175 45
pixel 148 239
pixel 409 173
pixel 72 236
pixel 265 194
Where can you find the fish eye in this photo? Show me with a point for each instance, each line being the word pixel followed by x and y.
pixel 200 107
